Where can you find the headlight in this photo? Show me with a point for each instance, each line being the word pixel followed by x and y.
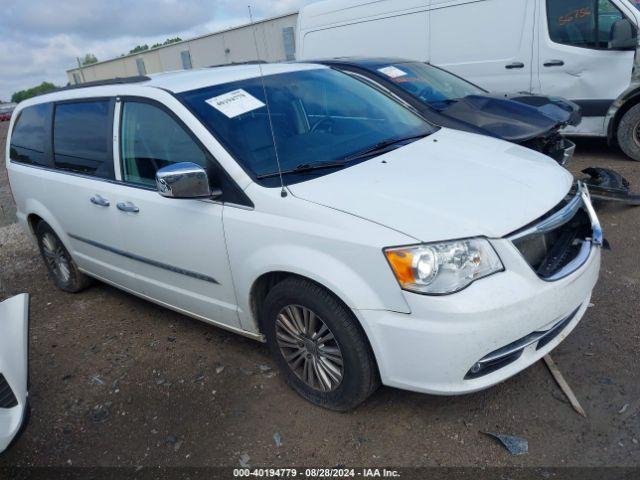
pixel 443 268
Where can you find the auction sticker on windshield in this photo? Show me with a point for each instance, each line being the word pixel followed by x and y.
pixel 392 72
pixel 236 103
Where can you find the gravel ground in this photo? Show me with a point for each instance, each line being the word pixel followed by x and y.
pixel 120 381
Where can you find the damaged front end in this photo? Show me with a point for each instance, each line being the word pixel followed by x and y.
pixel 532 121
pixel 553 145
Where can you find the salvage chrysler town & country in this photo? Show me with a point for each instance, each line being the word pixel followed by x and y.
pixel 296 205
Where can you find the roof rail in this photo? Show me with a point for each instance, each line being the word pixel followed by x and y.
pixel 100 83
pixel 235 64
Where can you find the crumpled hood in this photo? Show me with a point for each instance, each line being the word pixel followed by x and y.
pixel 449 185
pixel 509 120
pixel 559 109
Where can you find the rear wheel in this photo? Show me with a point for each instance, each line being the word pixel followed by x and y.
pixel 62 268
pixel 629 133
pixel 318 345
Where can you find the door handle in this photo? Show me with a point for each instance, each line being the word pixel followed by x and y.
pixel 554 63
pixel 100 201
pixel 513 65
pixel 127 207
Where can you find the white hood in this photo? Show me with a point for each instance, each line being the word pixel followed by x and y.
pixel 449 185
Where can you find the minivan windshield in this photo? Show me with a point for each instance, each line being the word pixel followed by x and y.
pixel 430 84
pixel 323 120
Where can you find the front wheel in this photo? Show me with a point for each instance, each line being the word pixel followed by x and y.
pixel 318 345
pixel 629 133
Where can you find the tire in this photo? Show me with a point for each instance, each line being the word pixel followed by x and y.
pixel 358 377
pixel 62 268
pixel 629 133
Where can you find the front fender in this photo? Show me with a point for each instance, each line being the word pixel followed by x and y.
pixel 624 102
pixel 356 291
pixel 339 251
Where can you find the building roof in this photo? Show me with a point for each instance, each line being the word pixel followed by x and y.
pixel 137 54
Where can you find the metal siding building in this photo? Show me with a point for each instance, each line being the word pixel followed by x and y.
pixel 275 43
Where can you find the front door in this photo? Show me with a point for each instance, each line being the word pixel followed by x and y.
pixel 575 59
pixel 178 245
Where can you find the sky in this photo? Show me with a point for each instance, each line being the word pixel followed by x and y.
pixel 40 39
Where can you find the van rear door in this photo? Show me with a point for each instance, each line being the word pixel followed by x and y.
pixel 489 42
pixel 575 57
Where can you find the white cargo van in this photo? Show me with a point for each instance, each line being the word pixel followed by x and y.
pixel 583 50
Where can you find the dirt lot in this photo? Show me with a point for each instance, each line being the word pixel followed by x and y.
pixel 120 381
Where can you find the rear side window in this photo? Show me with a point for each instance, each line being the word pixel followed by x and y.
pixel 28 138
pixel 150 140
pixel 82 138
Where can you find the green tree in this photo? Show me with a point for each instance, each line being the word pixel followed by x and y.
pixel 168 41
pixel 139 48
pixel 89 59
pixel 32 92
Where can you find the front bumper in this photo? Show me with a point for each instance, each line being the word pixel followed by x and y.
pixel 432 349
pixel 507 321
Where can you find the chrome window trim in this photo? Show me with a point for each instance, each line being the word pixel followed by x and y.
pixel 116 140
pixel 120 183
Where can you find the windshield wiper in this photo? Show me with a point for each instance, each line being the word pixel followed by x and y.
pixel 304 168
pixel 382 146
pixel 311 167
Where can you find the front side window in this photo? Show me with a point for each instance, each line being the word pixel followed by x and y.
pixel 82 138
pixel 582 23
pixel 319 116
pixel 28 137
pixel 430 84
pixel 151 139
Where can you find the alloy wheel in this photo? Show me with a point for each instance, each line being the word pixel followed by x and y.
pixel 309 348
pixel 636 134
pixel 56 257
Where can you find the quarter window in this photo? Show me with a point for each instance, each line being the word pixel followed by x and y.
pixel 82 138
pixel 150 140
pixel 582 23
pixel 28 138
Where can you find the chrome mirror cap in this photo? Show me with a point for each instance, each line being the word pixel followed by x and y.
pixel 183 180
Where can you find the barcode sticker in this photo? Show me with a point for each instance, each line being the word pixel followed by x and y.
pixel 392 72
pixel 236 103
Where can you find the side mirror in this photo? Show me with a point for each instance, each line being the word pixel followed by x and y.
pixel 623 35
pixel 184 180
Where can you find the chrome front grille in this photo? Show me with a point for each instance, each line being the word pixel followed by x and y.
pixel 560 242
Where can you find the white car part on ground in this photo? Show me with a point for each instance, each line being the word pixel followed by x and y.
pixel 14 343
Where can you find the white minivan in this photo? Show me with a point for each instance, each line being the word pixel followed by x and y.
pixel 582 50
pixel 304 208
